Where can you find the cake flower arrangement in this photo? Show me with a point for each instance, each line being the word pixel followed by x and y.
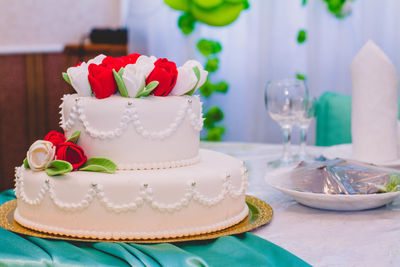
pixel 131 76
pixel 56 155
pixel 135 76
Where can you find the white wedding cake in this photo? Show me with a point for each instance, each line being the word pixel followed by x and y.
pixel 128 165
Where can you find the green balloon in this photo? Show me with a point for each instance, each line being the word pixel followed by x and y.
pixel 221 16
pixel 208 4
pixel 236 1
pixel 179 4
pixel 211 12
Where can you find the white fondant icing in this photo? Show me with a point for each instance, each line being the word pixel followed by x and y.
pixel 155 132
pixel 130 115
pixel 95 190
pixel 199 198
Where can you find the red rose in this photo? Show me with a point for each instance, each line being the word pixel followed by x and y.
pixel 101 77
pixel 131 59
pixel 165 73
pixel 72 153
pixel 55 137
pixel 112 63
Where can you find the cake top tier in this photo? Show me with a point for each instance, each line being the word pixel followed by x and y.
pixel 136 133
pixel 135 76
pixel 111 123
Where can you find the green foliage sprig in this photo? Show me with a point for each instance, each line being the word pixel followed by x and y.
pixel 214 13
pixel 336 8
pixel 394 183
pixel 210 50
pixel 58 167
pixel 301 36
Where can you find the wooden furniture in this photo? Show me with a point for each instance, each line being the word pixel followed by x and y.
pixel 31 86
pixel 83 52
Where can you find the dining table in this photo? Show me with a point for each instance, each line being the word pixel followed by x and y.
pixel 317 237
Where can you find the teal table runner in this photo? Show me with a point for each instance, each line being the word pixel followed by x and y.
pixel 239 250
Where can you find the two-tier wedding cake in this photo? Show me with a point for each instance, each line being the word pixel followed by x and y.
pixel 128 165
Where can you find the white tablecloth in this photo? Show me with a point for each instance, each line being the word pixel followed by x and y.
pixel 322 238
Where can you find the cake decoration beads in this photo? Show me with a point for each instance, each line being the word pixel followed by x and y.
pixel 96 191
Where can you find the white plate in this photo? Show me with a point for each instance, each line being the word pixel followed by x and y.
pixel 345 152
pixel 331 202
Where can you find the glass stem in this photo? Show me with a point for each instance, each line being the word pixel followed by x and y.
pixel 287 132
pixel 303 141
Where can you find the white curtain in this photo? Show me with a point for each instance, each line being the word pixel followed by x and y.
pixel 261 45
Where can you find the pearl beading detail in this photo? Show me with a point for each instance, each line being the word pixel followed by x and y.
pixel 158 165
pixel 95 191
pixel 192 230
pixel 130 116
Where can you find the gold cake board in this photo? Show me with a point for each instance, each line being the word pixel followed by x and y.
pixel 260 213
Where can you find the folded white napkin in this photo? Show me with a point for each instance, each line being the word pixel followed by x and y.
pixel 374 106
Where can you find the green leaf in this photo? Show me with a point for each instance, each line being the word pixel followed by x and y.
pixel 215 134
pixel 144 93
pixel 196 71
pixel 148 89
pixel 222 87
pixel 209 47
pixel 120 84
pixel 394 184
pixel 140 90
pixel 186 23
pixel 66 78
pixel 26 164
pixel 212 65
pixel 99 165
pixel 152 85
pixel 213 115
pixel 121 72
pixel 205 47
pixel 300 76
pixel 207 89
pixel 336 8
pixel 301 36
pixel 74 137
pixel 58 167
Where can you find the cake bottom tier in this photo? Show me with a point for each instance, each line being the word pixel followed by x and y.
pixel 141 204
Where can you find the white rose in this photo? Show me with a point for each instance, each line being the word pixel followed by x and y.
pixel 185 82
pixel 134 79
pixel 146 64
pixel 40 155
pixel 97 60
pixel 187 78
pixel 79 76
pixel 203 73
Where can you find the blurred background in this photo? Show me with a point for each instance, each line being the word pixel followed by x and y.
pixel 243 44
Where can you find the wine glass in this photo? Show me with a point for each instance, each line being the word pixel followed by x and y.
pixel 304 123
pixel 285 102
